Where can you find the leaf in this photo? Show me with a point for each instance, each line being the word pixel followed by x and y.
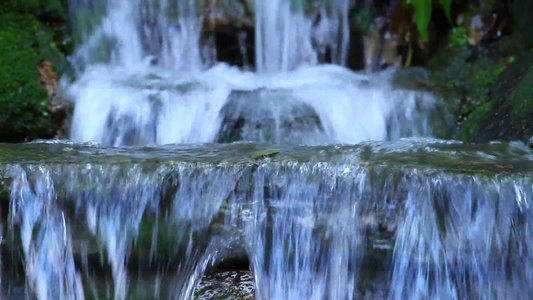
pixel 422 16
pixel 264 154
pixel 409 55
pixel 447 4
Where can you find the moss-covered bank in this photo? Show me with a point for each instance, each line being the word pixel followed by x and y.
pixel 31 31
pixel 488 87
pixel 510 115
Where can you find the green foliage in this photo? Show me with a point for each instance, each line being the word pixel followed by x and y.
pixel 422 16
pixel 363 20
pixel 447 4
pixel 458 38
pixel 44 10
pixel 24 109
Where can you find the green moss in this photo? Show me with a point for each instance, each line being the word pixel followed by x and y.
pixel 511 114
pixel 520 102
pixel 50 13
pixel 24 111
pixel 458 38
pixel 363 20
pixel 51 10
pixel 471 123
pixel 468 86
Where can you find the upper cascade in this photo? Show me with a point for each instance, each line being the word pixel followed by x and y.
pixel 148 75
pixel 133 33
pixel 286 37
pixel 170 34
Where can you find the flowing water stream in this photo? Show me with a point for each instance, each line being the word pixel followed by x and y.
pixel 325 183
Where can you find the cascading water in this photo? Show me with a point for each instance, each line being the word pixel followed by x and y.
pixel 287 38
pixel 400 219
pixel 133 34
pixel 157 85
pixel 283 36
pixel 48 255
pixel 373 221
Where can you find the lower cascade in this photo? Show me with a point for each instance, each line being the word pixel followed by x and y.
pixel 410 219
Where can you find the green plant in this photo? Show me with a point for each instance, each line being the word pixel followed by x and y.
pixel 422 16
pixel 458 38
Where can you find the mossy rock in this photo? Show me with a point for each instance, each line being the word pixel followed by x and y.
pixel 24 109
pixel 467 83
pixel 470 125
pixel 512 114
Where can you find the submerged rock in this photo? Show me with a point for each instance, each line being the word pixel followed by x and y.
pixel 230 285
pixel 272 116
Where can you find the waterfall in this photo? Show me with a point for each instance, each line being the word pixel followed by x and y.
pixel 47 256
pixel 147 77
pixel 403 220
pixel 287 37
pixel 283 39
pixel 320 181
pixel 168 33
pixel 134 33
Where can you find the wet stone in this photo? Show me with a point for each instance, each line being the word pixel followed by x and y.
pixel 231 285
pixel 272 116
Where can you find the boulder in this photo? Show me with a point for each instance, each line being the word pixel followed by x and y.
pixel 273 116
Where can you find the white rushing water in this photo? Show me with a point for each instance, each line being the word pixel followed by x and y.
pixel 287 37
pixel 313 227
pixel 146 77
pixel 409 219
